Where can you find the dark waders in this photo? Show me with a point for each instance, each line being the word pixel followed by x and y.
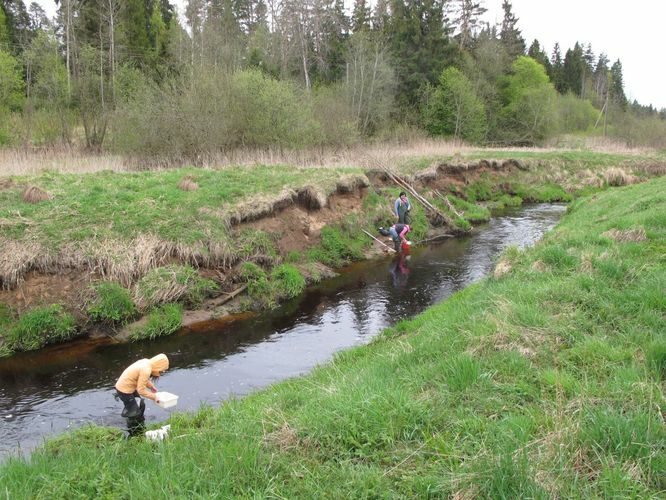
pixel 133 412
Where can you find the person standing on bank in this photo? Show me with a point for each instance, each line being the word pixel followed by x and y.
pixel 401 208
pixel 135 383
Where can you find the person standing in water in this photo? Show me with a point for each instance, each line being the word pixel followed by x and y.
pixel 401 208
pixel 135 382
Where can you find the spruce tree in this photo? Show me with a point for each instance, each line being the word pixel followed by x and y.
pixel 572 70
pixel 617 85
pixel 17 22
pixel 419 45
pixel 135 22
pixel 556 69
pixel 361 14
pixel 536 52
pixel 510 35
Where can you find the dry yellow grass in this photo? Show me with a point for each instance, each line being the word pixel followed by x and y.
pixel 626 235
pixel 72 160
pixel 188 184
pixel 618 177
pixel 33 194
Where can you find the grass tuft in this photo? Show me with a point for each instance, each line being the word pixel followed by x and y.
pixel 173 283
pixel 187 183
pixel 161 321
pixel 33 194
pixel 110 303
pixel 40 326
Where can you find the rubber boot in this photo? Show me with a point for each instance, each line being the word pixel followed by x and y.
pixel 132 410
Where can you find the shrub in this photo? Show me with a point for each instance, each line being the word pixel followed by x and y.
pixel 41 326
pixel 161 321
pixel 111 304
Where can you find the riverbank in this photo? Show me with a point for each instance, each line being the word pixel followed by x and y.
pixel 543 380
pixel 94 252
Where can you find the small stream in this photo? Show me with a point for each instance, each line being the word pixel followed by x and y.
pixel 63 387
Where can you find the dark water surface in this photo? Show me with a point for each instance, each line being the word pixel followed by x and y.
pixel 64 387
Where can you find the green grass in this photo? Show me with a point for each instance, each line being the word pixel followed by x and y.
pixel 123 206
pixel 40 326
pixel 111 303
pixel 161 321
pixel 544 382
pixel 287 281
pixel 266 290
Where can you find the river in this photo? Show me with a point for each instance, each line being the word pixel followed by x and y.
pixel 63 387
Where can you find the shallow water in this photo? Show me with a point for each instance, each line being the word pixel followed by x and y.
pixel 64 387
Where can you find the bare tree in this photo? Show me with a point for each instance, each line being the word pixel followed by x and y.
pixel 468 14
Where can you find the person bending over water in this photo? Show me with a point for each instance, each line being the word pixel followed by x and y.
pixel 135 383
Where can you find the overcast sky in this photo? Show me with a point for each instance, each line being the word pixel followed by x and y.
pixel 630 31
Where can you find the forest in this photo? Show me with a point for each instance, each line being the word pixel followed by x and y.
pixel 131 78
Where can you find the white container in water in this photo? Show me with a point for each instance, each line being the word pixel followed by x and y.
pixel 166 399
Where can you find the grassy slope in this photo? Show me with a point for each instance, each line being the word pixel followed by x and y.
pixel 122 206
pixel 546 381
pixel 571 160
pixel 109 205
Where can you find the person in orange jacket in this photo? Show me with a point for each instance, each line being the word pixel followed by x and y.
pixel 135 383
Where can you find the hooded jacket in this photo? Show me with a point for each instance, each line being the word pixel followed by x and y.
pixel 136 376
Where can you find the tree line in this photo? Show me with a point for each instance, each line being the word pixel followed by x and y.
pixel 130 76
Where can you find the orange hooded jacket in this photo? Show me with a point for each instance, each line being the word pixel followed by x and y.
pixel 136 376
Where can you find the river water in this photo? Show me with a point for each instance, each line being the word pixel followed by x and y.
pixel 63 387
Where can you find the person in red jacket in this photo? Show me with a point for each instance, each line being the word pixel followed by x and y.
pixel 135 382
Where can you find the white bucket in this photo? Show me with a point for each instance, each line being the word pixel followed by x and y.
pixel 166 399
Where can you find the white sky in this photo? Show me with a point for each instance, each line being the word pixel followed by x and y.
pixel 629 31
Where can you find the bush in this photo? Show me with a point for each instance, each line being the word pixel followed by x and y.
pixel 334 117
pixel 161 321
pixel 41 326
pixel 575 114
pixel 111 304
pixel 267 112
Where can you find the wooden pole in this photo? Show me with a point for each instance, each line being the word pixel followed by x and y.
pixel 378 241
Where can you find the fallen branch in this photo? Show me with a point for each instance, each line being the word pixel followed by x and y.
pixel 378 241
pixel 229 295
pixel 448 203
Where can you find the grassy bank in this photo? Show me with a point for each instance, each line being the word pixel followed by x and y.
pixel 140 240
pixel 545 380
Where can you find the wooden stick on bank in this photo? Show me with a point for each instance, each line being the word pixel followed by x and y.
pixel 378 241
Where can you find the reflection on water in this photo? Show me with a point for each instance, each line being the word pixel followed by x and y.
pixel 64 387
